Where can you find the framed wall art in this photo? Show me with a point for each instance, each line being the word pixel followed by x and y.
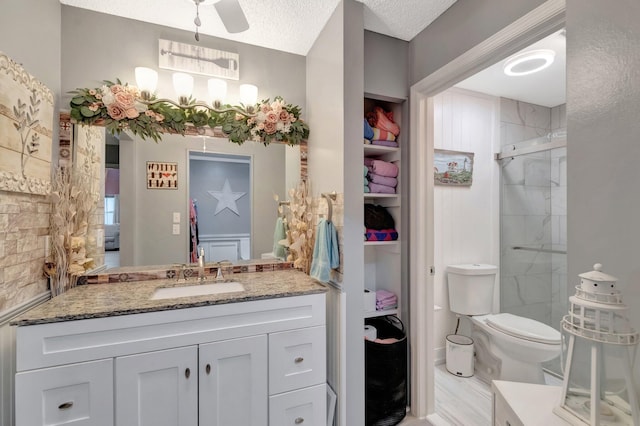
pixel 453 168
pixel 162 175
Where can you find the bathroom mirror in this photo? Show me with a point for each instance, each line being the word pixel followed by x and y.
pixel 154 218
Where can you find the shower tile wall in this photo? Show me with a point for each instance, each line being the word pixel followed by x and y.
pixel 533 215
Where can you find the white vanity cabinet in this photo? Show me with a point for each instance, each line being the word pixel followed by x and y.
pixel 254 363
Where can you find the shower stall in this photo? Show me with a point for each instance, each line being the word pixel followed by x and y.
pixel 533 222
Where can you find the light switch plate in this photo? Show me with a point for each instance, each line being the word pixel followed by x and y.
pixel 176 217
pixel 176 229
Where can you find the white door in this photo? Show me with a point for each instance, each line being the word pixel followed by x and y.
pixel 233 382
pixel 158 388
pixel 77 394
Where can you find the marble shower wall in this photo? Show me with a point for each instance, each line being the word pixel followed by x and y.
pixel 533 214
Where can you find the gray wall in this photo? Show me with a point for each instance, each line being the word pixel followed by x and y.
pixel 603 89
pixel 462 26
pixel 386 64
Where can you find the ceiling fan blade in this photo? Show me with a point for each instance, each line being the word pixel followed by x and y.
pixel 232 16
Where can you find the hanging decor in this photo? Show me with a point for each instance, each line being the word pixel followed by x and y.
pixel 162 175
pixel 226 198
pixel 119 106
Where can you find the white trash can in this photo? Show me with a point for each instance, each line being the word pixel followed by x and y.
pixel 459 353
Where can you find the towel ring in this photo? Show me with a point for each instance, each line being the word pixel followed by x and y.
pixel 280 204
pixel 329 196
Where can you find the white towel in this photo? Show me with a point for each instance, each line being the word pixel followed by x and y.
pixel 325 251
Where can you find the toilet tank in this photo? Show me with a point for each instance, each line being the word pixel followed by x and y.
pixel 471 288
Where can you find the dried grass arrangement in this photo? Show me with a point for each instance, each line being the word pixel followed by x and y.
pixel 73 201
pixel 301 229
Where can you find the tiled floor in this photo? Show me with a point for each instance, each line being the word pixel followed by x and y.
pixel 462 401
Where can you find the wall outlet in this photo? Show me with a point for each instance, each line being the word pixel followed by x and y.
pixel 176 229
pixel 176 217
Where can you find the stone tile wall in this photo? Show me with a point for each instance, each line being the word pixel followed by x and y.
pixel 24 223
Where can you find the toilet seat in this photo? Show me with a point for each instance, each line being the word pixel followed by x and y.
pixel 524 328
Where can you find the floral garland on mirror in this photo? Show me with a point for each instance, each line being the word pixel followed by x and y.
pixel 119 107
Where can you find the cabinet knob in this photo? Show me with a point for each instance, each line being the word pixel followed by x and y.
pixel 298 420
pixel 65 406
pixel 298 360
pixel 187 373
pixel 208 368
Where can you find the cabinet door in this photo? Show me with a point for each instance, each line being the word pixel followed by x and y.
pixel 78 394
pixel 303 407
pixel 158 388
pixel 233 382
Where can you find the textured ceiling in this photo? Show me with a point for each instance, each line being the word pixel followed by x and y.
pixel 286 25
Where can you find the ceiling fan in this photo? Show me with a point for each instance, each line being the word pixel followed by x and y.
pixel 230 13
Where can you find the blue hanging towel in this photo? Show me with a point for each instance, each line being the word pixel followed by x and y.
pixel 280 233
pixel 325 251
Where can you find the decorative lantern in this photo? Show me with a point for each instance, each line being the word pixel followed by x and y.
pixel 598 384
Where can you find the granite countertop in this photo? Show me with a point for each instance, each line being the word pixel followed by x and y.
pixel 113 299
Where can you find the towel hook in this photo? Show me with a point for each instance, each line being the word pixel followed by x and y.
pixel 329 196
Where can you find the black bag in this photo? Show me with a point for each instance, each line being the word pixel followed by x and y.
pixel 385 374
pixel 377 217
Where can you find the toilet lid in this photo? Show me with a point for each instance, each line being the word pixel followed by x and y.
pixel 524 328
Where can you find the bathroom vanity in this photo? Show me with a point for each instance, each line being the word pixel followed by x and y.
pixel 112 354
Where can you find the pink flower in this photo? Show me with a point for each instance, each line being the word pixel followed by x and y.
pixel 265 108
pixel 125 99
pixel 159 117
pixel 251 120
pixel 260 126
pixel 116 88
pixel 92 92
pixel 132 113
pixel 98 96
pixel 284 116
pixel 269 127
pixel 239 117
pixel 293 118
pixel 94 106
pixel 116 112
pixel 272 117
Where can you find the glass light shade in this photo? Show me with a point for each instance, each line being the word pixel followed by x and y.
pixel 146 79
pixel 182 84
pixel 217 89
pixel 530 62
pixel 248 94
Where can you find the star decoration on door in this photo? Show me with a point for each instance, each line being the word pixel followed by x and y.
pixel 226 198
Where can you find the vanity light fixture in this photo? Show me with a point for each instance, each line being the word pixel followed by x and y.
pixel 529 62
pixel 147 80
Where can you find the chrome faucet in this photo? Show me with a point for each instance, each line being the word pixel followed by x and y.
pixel 201 276
pixel 181 271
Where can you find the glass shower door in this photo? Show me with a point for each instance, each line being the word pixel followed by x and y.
pixel 533 280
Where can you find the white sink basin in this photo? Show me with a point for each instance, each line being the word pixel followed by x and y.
pixel 197 290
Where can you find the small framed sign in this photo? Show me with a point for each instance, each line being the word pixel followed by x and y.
pixel 162 175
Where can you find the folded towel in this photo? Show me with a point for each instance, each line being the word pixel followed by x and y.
pixel 368 131
pixel 391 144
pixel 325 251
pixel 382 180
pixel 382 135
pixel 385 121
pixel 280 233
pixel 367 189
pixel 383 294
pixel 366 181
pixel 367 142
pixel 381 234
pixel 376 188
pixel 381 168
pixel 365 170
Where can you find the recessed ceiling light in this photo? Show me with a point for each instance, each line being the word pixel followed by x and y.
pixel 529 62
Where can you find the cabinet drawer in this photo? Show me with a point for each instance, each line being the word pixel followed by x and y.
pixel 503 415
pixel 79 394
pixel 297 359
pixel 303 407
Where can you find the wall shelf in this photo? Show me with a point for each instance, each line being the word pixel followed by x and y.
pixel 382 313
pixel 381 243
pixel 377 195
pixel 379 150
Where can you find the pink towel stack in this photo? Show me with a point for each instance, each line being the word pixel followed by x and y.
pixel 385 300
pixel 382 176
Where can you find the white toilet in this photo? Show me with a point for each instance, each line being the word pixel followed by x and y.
pixel 508 347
